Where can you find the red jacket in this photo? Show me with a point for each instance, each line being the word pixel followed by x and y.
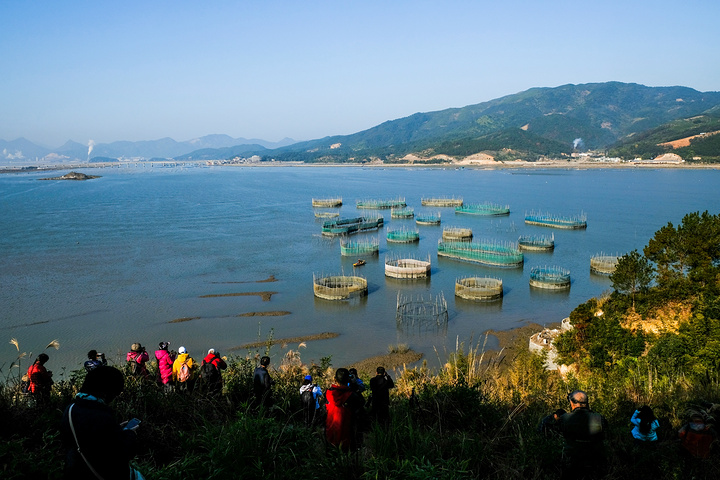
pixel 697 443
pixel 215 360
pixel 341 406
pixel 40 379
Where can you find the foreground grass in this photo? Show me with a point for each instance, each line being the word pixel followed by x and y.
pixel 474 418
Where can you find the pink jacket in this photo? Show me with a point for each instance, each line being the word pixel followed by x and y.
pixel 165 365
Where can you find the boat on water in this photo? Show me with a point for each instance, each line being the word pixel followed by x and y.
pixel 359 263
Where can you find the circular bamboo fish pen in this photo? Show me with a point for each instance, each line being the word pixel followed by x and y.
pixel 481 289
pixel 604 264
pixel 408 268
pixel 550 278
pixel 339 287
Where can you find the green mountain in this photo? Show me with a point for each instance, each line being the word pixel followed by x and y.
pixel 228 152
pixel 698 129
pixel 531 124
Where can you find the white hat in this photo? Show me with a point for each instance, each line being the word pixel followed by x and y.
pixel 211 351
pixel 182 350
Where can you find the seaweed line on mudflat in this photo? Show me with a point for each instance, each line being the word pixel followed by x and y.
pixel 280 341
pixel 265 295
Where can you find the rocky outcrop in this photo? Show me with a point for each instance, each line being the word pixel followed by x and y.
pixel 72 176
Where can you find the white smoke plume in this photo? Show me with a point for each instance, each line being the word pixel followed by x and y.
pixel 578 143
pixel 91 145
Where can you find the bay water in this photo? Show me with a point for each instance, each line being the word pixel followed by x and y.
pixel 104 263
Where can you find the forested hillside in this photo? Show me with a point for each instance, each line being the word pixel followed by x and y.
pixel 698 130
pixel 535 123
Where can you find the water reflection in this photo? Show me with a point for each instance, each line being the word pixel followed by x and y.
pixel 546 293
pixel 357 303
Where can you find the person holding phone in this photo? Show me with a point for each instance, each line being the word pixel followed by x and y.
pixel 96 445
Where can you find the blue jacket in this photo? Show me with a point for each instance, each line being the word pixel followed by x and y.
pixel 651 436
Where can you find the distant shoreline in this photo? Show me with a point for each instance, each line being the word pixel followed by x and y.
pixel 518 165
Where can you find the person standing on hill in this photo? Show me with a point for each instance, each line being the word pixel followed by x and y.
pixel 183 370
pixel 584 432
pixel 380 386
pixel 136 359
pixel 362 419
pixel 165 360
pixel 96 445
pixel 262 384
pixel 342 403
pixel 94 360
pixel 210 372
pixel 40 379
pixel 310 394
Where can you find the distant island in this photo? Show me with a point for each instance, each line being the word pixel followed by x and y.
pixel 72 176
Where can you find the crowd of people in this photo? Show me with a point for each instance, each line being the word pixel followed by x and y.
pixel 584 433
pixel 342 409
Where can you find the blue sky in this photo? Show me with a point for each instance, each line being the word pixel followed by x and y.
pixel 106 71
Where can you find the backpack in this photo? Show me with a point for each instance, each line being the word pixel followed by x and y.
pixel 308 399
pixel 209 372
pixel 134 366
pixel 183 373
pixel 25 385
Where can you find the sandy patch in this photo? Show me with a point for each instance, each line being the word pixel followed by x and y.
pixel 513 341
pixel 477 159
pixel 389 361
pixel 685 142
pixel 183 319
pixel 510 338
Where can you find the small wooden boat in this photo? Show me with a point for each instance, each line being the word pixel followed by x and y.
pixel 359 263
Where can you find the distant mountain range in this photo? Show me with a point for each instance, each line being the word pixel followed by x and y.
pixel 24 151
pixel 534 124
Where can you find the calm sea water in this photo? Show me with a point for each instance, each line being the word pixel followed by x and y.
pixel 108 262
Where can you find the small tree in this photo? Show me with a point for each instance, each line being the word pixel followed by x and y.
pixel 689 252
pixel 633 274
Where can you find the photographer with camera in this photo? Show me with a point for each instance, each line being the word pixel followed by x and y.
pixel 94 360
pixel 136 358
pixel 380 386
pixel 584 434
pixel 96 445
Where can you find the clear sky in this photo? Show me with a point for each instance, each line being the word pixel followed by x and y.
pixel 143 70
